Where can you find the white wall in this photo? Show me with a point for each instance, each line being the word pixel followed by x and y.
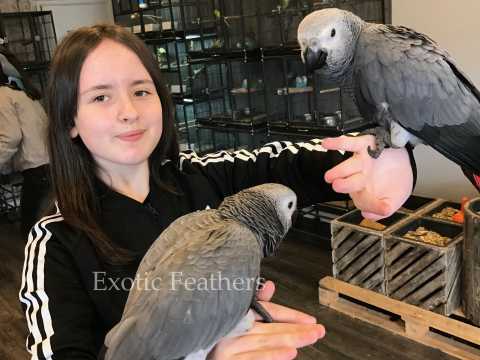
pixel 454 25
pixel 71 14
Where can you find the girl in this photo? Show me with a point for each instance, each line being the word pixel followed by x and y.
pixel 119 180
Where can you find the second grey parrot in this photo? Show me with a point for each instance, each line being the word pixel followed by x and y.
pixel 198 279
pixel 403 81
pixel 10 71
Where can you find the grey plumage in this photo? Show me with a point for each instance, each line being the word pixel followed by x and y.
pixel 173 320
pixel 10 71
pixel 400 76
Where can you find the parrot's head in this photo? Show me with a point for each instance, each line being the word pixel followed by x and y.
pixel 328 39
pixel 266 209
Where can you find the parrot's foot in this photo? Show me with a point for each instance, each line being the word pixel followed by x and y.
pixel 379 146
pixel 260 310
pixel 380 134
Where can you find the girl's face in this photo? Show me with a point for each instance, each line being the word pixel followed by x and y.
pixel 119 117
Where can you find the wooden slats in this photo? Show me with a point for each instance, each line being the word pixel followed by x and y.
pixel 460 340
pixel 358 256
pixel 423 275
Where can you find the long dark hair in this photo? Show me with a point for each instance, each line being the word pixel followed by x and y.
pixel 29 89
pixel 73 169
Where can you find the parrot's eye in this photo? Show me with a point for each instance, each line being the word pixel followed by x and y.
pixel 332 34
pixel 290 204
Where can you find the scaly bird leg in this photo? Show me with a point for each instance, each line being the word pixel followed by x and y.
pixel 382 132
pixel 379 133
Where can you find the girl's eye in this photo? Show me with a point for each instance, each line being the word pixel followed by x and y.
pixel 142 93
pixel 100 98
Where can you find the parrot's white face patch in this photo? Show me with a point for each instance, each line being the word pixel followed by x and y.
pixel 329 31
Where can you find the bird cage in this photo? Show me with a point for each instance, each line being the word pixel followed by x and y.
pixel 30 36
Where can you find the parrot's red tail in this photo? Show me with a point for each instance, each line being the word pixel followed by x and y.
pixel 476 178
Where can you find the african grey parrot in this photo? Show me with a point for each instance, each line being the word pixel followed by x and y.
pixel 199 278
pixel 11 72
pixel 402 80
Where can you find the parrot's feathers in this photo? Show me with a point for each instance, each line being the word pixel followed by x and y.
pixel 425 90
pixel 119 333
pixel 187 250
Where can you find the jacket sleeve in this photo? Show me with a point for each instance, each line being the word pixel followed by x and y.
pixel 59 314
pixel 301 166
pixel 10 131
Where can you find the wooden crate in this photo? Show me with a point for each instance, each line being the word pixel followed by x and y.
pixel 418 204
pixel 452 335
pixel 438 207
pixel 421 274
pixel 358 252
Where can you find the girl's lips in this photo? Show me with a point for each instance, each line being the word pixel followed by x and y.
pixel 131 135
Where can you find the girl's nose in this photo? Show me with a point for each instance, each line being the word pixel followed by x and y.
pixel 127 110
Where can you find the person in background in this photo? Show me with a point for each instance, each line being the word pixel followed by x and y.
pixel 23 130
pixel 119 180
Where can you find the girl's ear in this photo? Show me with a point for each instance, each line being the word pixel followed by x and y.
pixel 73 132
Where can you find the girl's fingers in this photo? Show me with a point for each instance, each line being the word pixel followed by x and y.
pixel 345 169
pixel 375 210
pixel 283 353
pixel 371 216
pixel 350 185
pixel 284 314
pixel 282 337
pixel 349 143
pixel 266 291
pixel 277 328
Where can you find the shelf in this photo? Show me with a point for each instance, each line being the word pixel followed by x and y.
pixel 160 5
pixel 273 12
pixel 290 131
pixel 228 121
pixel 281 51
pixel 152 37
pixel 293 91
pixel 250 55
pixel 223 54
pixel 187 99
pixel 233 127
pixel 173 68
pixel 245 91
pixel 25 13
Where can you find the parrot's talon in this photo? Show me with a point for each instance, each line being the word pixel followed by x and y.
pixel 260 310
pixel 374 153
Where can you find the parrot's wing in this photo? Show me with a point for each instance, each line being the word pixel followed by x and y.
pixel 195 302
pixel 174 238
pixel 423 88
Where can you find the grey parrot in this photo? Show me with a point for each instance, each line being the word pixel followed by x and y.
pixel 197 282
pixel 10 71
pixel 402 80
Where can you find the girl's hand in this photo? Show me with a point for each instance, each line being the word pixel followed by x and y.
pixel 277 341
pixel 378 187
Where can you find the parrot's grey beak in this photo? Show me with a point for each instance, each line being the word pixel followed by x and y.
pixel 314 59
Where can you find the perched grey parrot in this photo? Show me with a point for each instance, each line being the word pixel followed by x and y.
pixel 197 282
pixel 10 71
pixel 402 80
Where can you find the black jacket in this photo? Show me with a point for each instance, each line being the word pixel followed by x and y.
pixel 72 299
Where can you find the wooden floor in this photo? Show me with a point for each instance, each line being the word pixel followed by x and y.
pixel 296 271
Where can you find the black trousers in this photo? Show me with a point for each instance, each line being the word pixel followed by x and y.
pixel 34 198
